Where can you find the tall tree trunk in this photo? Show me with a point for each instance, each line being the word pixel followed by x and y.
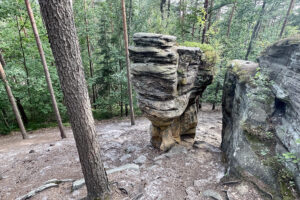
pixel 24 59
pixel 89 53
pixel 230 19
pixel 205 22
pixel 128 63
pixel 59 21
pixel 256 30
pixel 286 18
pixel 46 70
pixel 13 102
pixel 211 5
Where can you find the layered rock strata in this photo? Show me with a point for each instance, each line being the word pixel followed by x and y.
pixel 261 119
pixel 168 80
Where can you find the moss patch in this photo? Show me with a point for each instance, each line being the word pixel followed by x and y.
pixel 211 55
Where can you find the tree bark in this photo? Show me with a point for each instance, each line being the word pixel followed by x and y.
pixel 59 21
pixel 230 19
pixel 46 70
pixel 286 18
pixel 128 63
pixel 13 102
pixel 256 30
pixel 205 22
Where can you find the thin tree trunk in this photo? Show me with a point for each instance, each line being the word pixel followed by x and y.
pixel 230 19
pixel 169 8
pixel 255 30
pixel 121 90
pixel 183 18
pixel 24 59
pixel 46 70
pixel 126 110
pixel 89 53
pixel 4 116
pixel 194 24
pixel 193 30
pixel 162 3
pixel 13 102
pixel 205 22
pixel 59 21
pixel 23 27
pixel 129 17
pixel 216 95
pixel 286 18
pixel 22 111
pixel 128 63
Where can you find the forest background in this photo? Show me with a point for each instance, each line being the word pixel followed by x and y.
pixel 223 29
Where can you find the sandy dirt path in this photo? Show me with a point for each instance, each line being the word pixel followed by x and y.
pixel 186 172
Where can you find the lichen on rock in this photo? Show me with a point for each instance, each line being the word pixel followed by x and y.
pixel 168 80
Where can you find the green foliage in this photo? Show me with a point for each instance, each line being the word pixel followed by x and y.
pixel 100 23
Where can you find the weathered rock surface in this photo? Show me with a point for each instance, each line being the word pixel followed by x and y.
pixel 168 80
pixel 261 124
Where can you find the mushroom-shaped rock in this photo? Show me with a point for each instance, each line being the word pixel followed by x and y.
pixel 168 80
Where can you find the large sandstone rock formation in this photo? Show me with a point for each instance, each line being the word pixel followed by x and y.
pixel 168 80
pixel 261 119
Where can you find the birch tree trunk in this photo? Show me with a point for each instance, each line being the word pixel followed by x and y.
pixel 59 21
pixel 46 70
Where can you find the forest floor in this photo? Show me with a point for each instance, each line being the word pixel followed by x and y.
pixel 185 172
